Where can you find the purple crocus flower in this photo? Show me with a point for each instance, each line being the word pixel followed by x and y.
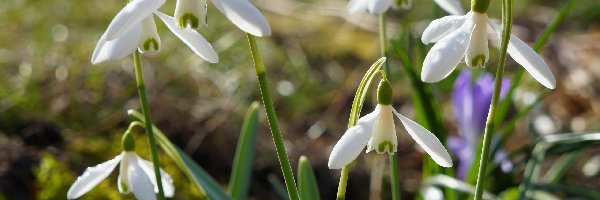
pixel 471 98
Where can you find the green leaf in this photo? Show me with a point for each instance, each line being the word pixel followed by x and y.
pixel 244 155
pixel 307 182
pixel 207 185
pixel 577 191
pixel 454 184
pixel 362 90
pixel 278 187
pixel 561 166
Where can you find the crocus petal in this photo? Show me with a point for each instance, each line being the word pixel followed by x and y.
pixel 355 6
pixel 445 55
pixel 166 179
pixel 91 177
pixel 528 58
pixel 131 15
pixel 192 38
pixel 426 140
pixel 245 16
pixel 353 141
pixel 379 6
pixel 451 6
pixel 140 183
pixel 117 48
pixel 441 27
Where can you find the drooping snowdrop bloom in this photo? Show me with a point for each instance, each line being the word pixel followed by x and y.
pixel 380 6
pixel 466 36
pixel 133 27
pixel 242 13
pixel 135 175
pixel 471 98
pixel 377 131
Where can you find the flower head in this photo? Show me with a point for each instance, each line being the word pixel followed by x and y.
pixel 134 28
pixel 377 131
pixel 467 36
pixel 135 175
pixel 471 98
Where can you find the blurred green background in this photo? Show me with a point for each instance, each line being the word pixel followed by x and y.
pixel 59 114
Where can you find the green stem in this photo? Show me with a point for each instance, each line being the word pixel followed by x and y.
pixel 394 177
pixel 284 161
pixel 487 136
pixel 139 78
pixel 383 41
pixel 341 194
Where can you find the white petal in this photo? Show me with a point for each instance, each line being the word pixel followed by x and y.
pixel 245 16
pixel 355 6
pixel 131 15
pixel 166 179
pixel 140 183
pixel 123 182
pixel 445 55
pixel 149 35
pixel 529 59
pixel 441 27
pixel 353 141
pixel 427 141
pixel 192 38
pixel 192 8
pixel 379 6
pixel 91 177
pixel 117 48
pixel 478 51
pixel 451 6
pixel 384 132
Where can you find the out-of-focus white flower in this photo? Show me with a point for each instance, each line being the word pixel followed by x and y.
pixel 134 27
pixel 379 6
pixel 466 36
pixel 242 13
pixel 377 131
pixel 135 175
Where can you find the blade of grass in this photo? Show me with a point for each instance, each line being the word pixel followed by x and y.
pixel 560 167
pixel 239 183
pixel 207 185
pixel 278 187
pixel 307 182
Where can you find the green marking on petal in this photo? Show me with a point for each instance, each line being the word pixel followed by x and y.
pixel 386 146
pixel 124 187
pixel 152 42
pixel 478 61
pixel 188 18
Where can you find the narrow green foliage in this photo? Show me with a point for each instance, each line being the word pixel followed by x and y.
pixel 307 182
pixel 284 161
pixel 560 167
pixel 507 21
pixel 239 183
pixel 394 177
pixel 278 187
pixel 139 78
pixel 207 186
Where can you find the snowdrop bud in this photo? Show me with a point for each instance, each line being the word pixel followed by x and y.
pixel 149 39
pixel 128 142
pixel 478 52
pixel 384 92
pixel 191 12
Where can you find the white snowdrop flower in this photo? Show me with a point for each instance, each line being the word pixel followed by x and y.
pixel 192 13
pixel 134 27
pixel 380 6
pixel 467 36
pixel 377 131
pixel 135 175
